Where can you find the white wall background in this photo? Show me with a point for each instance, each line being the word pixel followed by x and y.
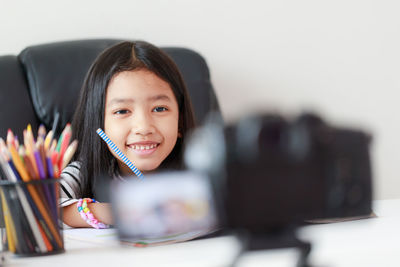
pixel 340 58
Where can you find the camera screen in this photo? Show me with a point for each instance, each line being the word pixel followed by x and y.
pixel 164 205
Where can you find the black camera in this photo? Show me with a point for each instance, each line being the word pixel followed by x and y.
pixel 271 173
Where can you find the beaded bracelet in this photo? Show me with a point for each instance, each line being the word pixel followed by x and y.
pixel 87 216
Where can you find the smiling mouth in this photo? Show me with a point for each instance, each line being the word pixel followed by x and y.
pixel 144 147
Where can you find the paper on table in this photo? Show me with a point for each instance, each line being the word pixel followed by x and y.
pixel 99 236
pixel 164 240
pixel 110 237
pixel 345 219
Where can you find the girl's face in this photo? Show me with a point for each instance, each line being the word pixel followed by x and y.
pixel 141 118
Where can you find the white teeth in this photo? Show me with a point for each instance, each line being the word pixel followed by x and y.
pixel 137 147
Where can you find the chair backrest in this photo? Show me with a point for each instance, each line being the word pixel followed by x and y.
pixel 45 79
pixel 16 109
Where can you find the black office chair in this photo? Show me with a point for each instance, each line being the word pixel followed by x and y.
pixel 45 79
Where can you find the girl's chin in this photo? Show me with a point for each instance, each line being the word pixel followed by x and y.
pixel 144 168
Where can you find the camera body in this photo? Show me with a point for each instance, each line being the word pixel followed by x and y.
pixel 277 173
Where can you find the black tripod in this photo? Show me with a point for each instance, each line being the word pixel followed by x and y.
pixel 285 238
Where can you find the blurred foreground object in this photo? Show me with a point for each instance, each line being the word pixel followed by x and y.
pixel 166 207
pixel 273 174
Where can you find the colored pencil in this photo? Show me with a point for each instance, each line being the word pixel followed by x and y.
pixel 42 153
pixel 16 142
pixel 18 163
pixel 10 230
pixel 27 162
pixel 64 144
pixel 41 131
pixel 69 153
pixel 47 140
pixel 10 138
pixel 29 152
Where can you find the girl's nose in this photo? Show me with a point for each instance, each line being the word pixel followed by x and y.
pixel 143 124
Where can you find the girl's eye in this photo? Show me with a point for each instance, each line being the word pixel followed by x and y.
pixel 160 109
pixel 121 112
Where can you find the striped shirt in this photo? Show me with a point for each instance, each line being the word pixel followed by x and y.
pixel 70 184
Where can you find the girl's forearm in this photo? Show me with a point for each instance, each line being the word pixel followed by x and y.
pixel 101 211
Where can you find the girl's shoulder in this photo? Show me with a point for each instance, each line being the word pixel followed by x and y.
pixel 72 169
pixel 73 165
pixel 70 181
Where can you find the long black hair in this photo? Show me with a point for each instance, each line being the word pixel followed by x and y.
pixel 93 154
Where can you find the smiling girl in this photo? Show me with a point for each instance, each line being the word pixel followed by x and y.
pixel 135 92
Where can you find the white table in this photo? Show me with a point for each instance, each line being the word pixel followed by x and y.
pixel 370 242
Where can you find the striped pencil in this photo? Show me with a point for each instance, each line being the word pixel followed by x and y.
pixel 119 153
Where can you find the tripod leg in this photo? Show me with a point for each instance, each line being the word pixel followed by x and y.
pixel 305 250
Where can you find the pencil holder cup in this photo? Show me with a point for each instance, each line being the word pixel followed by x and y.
pixel 32 217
